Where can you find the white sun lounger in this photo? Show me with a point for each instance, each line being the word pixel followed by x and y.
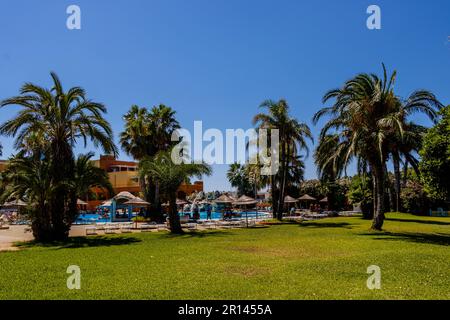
pixel 91 231
pixel 126 227
pixel 191 226
pixel 148 227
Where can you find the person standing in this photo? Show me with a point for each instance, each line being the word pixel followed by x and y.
pixel 208 213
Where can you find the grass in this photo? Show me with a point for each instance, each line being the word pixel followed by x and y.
pixel 325 259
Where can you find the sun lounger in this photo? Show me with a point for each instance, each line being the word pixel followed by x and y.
pixel 90 231
pixel 209 225
pixel 126 227
pixel 100 225
pixel 191 226
pixel 148 227
pixel 162 227
pixel 111 228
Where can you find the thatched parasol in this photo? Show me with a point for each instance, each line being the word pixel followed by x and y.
pixel 307 197
pixel 224 199
pixel 124 195
pixel 289 199
pixel 324 200
pixel 181 202
pixel 81 203
pixel 14 204
pixel 243 201
pixel 137 202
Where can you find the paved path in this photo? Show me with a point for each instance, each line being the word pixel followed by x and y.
pixel 17 234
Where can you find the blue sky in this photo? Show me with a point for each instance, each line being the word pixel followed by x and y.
pixel 217 60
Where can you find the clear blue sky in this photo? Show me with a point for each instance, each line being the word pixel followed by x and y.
pixel 217 60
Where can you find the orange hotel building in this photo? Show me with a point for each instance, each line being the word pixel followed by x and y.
pixel 123 177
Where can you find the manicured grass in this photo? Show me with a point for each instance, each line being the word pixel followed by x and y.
pixel 325 259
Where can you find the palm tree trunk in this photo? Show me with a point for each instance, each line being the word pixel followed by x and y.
pixel 61 208
pixel 389 191
pixel 283 181
pixel 174 218
pixel 379 177
pixel 274 196
pixel 396 160
pixel 405 174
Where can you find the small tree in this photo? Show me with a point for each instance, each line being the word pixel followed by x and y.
pixel 169 177
pixel 435 155
pixel 360 193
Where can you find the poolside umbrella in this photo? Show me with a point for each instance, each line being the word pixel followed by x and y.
pixel 124 195
pixel 289 200
pixel 324 200
pixel 107 203
pixel 181 202
pixel 244 201
pixel 137 202
pixel 14 204
pixel 81 203
pixel 307 198
pixel 224 199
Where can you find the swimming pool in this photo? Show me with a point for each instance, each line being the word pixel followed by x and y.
pixel 92 218
pixel 218 215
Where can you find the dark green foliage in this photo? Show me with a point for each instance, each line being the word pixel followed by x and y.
pixel 435 163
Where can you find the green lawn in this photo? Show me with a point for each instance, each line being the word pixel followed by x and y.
pixel 325 259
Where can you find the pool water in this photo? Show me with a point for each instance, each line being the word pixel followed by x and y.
pixel 218 215
pixel 92 218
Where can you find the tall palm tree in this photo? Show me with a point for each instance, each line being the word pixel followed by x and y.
pixel 293 136
pixel 170 176
pixel 58 118
pixel 365 116
pixel 135 139
pixel 146 133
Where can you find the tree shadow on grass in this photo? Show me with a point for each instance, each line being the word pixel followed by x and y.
pixel 82 242
pixel 440 223
pixel 426 238
pixel 196 234
pixel 318 225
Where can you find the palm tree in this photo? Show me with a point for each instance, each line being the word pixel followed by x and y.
pixel 30 179
pixel 135 139
pixel 293 135
pixel 365 116
pixel 170 176
pixel 237 176
pixel 88 176
pixel 403 149
pixel 56 120
pixel 146 133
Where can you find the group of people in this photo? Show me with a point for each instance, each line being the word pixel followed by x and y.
pixel 196 212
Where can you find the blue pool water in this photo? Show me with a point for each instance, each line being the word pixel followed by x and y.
pixel 218 215
pixel 92 218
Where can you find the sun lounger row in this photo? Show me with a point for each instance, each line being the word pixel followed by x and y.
pixel 109 228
